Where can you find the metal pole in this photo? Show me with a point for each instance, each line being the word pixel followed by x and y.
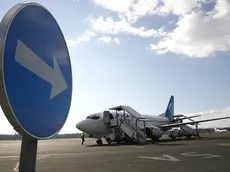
pixel 144 126
pixel 197 130
pixel 136 132
pixel 28 155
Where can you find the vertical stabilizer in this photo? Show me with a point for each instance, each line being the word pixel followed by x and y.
pixel 169 113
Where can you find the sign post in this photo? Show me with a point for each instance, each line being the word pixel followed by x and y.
pixel 28 155
pixel 35 77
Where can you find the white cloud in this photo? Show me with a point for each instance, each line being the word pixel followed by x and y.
pixel 116 40
pixel 70 42
pixel 120 6
pixel 86 37
pixel 130 9
pixel 110 26
pixel 142 8
pixel 179 7
pixel 198 34
pixel 108 39
pixel 135 9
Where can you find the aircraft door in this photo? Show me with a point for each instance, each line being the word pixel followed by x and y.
pixel 106 117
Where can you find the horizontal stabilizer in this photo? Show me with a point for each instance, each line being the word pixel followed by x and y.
pixel 194 116
pixel 163 114
pixel 177 116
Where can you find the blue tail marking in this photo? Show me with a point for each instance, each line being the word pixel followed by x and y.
pixel 169 113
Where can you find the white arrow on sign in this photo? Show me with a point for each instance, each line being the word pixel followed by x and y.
pixel 164 157
pixel 31 61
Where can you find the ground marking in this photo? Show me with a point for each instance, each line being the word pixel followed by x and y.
pixel 164 157
pixel 224 144
pixel 195 154
pixel 140 147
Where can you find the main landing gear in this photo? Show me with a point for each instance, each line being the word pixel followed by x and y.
pixel 99 142
pixel 108 141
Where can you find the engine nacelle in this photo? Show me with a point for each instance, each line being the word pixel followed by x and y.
pixel 177 120
pixel 157 132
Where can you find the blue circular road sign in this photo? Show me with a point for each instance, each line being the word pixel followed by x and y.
pixel 36 77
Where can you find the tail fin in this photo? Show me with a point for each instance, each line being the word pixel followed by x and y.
pixel 169 113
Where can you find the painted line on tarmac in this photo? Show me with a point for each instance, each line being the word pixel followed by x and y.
pixel 224 144
pixel 61 154
pixel 137 147
pixel 58 154
pixel 11 156
pixel 71 154
pixel 17 165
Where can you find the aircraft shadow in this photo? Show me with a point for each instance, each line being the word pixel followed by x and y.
pixel 216 138
pixel 148 142
pixel 116 144
pixel 135 144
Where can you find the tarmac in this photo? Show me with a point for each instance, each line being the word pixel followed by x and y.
pixel 68 155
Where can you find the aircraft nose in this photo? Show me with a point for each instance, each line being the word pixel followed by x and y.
pixel 80 126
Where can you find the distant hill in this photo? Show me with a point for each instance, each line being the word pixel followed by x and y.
pixel 78 135
pixel 59 136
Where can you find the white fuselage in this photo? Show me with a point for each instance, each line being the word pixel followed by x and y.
pixel 220 130
pixel 95 125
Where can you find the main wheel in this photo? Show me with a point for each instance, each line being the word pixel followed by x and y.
pixel 99 142
pixel 173 137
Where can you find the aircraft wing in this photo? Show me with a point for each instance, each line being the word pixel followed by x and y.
pixel 192 122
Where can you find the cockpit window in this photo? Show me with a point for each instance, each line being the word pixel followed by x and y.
pixel 93 117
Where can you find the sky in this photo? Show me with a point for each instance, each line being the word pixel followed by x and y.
pixel 140 52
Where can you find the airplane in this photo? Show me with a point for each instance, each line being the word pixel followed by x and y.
pixel 220 130
pixel 95 125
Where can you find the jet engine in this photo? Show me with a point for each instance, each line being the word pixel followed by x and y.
pixel 157 132
pixel 177 120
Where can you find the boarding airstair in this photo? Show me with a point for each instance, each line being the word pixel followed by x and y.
pixel 189 131
pixel 184 131
pixel 132 130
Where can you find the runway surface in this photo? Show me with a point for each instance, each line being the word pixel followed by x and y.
pixel 68 155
